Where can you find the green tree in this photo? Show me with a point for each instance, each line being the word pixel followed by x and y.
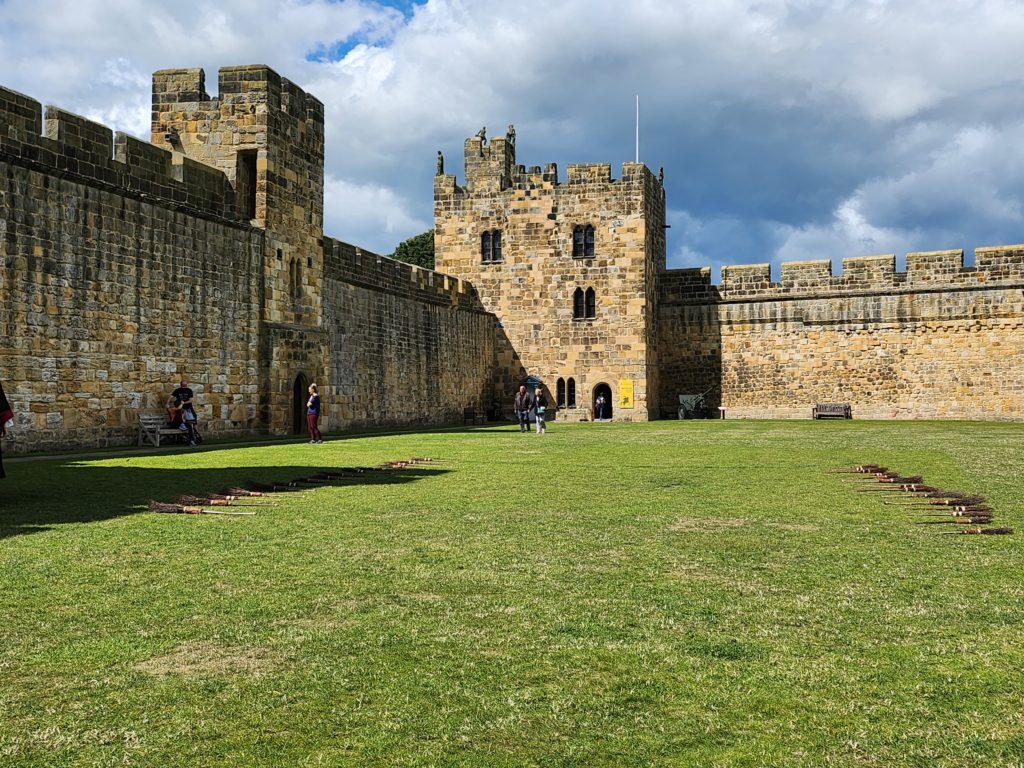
pixel 417 250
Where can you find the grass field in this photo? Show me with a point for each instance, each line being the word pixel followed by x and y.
pixel 665 594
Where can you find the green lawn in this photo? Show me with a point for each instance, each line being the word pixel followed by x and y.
pixel 666 594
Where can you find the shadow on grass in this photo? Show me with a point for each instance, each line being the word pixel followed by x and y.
pixel 41 496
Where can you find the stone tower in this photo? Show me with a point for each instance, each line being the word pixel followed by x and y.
pixel 569 268
pixel 267 136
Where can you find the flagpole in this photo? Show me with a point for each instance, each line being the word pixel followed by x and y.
pixel 637 128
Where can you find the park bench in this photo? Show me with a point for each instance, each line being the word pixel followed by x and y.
pixel 153 426
pixel 469 416
pixel 832 411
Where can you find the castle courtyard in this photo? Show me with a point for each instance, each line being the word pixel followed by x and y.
pixel 684 593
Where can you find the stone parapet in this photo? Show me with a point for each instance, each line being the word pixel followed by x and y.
pixel 81 150
pixel 939 340
pixel 932 270
pixel 349 263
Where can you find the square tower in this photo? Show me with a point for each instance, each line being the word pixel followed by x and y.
pixel 267 136
pixel 569 268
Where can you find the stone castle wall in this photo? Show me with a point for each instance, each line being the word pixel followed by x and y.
pixel 123 270
pixel 408 345
pixel 125 266
pixel 531 288
pixel 937 341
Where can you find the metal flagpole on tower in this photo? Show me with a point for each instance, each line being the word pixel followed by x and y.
pixel 637 128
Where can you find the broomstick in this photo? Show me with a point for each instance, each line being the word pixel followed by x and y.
pixel 157 506
pixel 870 476
pixel 912 488
pixel 937 493
pixel 911 480
pixel 274 487
pixel 965 501
pixel 857 468
pixel 240 492
pixel 888 477
pixel 214 500
pixel 981 520
pixel 961 509
pixel 985 531
pixel 981 509
pixel 196 501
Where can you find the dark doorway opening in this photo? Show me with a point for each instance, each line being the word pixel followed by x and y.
pixel 245 184
pixel 602 411
pixel 300 396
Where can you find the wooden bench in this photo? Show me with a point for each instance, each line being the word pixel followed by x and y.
pixel 832 411
pixel 469 417
pixel 153 426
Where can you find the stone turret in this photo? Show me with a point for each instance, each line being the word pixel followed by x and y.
pixel 267 136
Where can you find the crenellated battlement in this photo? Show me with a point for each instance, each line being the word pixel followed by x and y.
pixel 253 84
pixel 351 264
pixel 931 270
pixel 491 168
pixel 69 145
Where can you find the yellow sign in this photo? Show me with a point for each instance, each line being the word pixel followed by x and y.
pixel 625 393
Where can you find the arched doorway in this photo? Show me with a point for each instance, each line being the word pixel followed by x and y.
pixel 300 396
pixel 602 413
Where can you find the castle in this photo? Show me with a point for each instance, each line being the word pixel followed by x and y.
pixel 579 283
pixel 128 265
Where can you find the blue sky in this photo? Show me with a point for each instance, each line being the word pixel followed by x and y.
pixel 788 129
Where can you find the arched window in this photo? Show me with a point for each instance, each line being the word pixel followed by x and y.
pixel 578 304
pixel 590 302
pixel 583 241
pixel 571 397
pixel 560 396
pixel 490 246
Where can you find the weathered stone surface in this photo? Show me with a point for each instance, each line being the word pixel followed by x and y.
pixel 936 341
pixel 531 288
pixel 127 265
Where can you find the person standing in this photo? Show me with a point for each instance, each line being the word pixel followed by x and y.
pixel 313 415
pixel 599 407
pixel 540 407
pixel 6 420
pixel 522 404
pixel 189 417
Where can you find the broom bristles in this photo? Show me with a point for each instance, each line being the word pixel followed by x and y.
pixel 212 501
pixel 159 506
pixel 241 492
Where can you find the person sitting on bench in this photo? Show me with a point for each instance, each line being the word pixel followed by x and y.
pixel 181 418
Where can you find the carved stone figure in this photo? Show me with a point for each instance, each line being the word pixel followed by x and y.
pixel 482 134
pixel 661 175
pixel 440 163
pixel 510 135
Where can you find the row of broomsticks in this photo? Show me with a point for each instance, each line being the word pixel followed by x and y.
pixel 255 493
pixel 971 511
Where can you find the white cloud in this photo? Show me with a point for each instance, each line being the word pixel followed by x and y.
pixel 785 127
pixel 368 215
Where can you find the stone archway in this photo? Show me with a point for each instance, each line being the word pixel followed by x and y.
pixel 602 390
pixel 300 396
